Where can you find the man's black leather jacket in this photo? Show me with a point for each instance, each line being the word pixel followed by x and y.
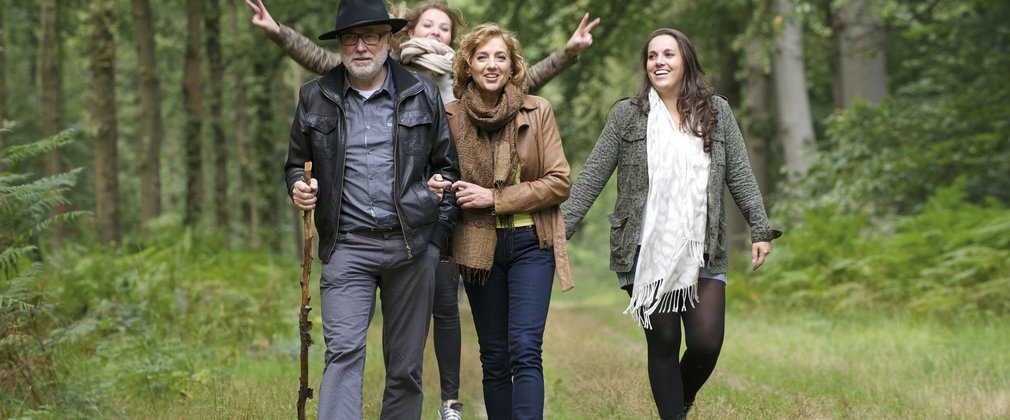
pixel 422 143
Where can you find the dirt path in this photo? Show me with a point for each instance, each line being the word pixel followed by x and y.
pixel 583 359
pixel 594 367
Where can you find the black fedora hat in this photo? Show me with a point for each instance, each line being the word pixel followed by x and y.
pixel 355 13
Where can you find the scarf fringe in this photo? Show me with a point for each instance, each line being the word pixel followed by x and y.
pixel 655 296
pixel 507 221
pixel 672 301
pixel 473 275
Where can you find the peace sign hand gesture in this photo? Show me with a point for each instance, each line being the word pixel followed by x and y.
pixel 582 38
pixel 261 17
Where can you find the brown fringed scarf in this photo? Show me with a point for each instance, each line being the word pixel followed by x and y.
pixel 487 157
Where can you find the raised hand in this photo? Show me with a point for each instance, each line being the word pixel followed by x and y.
pixel 581 38
pixel 262 19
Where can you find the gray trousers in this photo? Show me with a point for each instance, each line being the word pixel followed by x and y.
pixel 360 264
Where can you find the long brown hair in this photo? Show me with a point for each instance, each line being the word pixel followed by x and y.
pixel 695 98
pixel 480 34
pixel 413 14
pixel 458 25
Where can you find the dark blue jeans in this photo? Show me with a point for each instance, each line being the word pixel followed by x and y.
pixel 510 313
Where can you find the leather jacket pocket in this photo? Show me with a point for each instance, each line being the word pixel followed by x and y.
pixel 415 128
pixel 320 128
pixel 419 206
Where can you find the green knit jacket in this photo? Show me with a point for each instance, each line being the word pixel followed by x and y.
pixel 622 146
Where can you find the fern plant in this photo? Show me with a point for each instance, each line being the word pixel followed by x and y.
pixel 952 258
pixel 26 205
pixel 26 213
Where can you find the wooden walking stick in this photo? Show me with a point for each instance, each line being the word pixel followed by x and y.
pixel 304 326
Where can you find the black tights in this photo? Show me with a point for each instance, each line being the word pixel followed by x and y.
pixel 676 383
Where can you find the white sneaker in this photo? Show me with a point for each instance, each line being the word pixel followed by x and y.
pixel 451 412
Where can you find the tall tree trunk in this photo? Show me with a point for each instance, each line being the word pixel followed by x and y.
pixel 758 129
pixel 103 105
pixel 295 215
pixel 3 80
pixel 219 143
pixel 191 97
pixel 861 70
pixel 265 149
pixel 729 62
pixel 759 125
pixel 32 58
pixel 263 117
pixel 795 124
pixel 728 86
pixel 52 85
pixel 151 130
pixel 243 144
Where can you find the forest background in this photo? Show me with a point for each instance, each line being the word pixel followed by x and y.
pixel 150 253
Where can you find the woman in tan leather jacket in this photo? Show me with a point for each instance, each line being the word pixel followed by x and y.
pixel 510 241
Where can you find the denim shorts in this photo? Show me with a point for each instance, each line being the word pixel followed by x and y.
pixel 627 279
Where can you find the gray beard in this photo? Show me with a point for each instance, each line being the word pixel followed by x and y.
pixel 371 70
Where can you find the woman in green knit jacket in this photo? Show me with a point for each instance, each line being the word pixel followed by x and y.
pixel 674 145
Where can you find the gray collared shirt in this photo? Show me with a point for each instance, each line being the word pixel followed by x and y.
pixel 369 169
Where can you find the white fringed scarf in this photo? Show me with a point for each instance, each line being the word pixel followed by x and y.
pixel 427 53
pixel 673 232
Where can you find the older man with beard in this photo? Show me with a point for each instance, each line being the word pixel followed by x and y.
pixel 375 133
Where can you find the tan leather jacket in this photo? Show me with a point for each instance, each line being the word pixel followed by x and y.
pixel 545 178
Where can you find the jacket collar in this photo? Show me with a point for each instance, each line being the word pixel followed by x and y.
pixel 333 83
pixel 528 105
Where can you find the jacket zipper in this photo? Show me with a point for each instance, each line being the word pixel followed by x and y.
pixel 343 129
pixel 396 168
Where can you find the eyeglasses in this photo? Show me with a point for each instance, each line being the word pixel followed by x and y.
pixel 370 39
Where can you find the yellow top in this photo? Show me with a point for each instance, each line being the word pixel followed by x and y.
pixel 519 219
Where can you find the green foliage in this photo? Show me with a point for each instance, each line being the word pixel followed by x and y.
pixel 29 376
pixel 156 315
pixel 27 207
pixel 952 258
pixel 906 206
pixel 914 150
pixel 18 153
pixel 163 314
pixel 946 118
